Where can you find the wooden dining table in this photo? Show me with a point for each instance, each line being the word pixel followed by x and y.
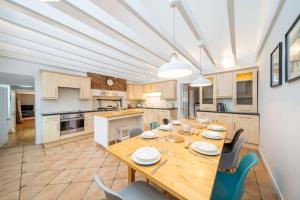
pixel 186 174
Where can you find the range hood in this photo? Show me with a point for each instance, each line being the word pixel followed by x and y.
pixel 109 98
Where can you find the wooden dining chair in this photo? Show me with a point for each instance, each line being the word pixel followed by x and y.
pixel 229 160
pixel 231 186
pixel 135 191
pixel 229 146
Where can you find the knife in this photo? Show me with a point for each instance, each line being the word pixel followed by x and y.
pixel 159 166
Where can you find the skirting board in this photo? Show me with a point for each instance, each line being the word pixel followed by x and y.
pixel 67 140
pixel 275 186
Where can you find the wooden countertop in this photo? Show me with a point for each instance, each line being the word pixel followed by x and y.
pixel 112 114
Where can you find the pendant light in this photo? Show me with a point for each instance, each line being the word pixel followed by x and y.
pixel 175 68
pixel 201 81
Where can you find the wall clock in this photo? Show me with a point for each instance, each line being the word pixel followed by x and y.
pixel 109 82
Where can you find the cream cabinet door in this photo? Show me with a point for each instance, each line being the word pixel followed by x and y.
pixel 224 85
pixel 226 120
pixel 89 122
pixel 51 128
pixel 208 115
pixel 245 91
pixel 147 88
pixel 68 81
pixel 250 124
pixel 168 90
pixel 135 92
pixel 85 88
pixel 164 114
pixel 208 95
pixel 130 92
pixel 49 85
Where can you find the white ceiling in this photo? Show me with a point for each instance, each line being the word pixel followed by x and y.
pixel 132 38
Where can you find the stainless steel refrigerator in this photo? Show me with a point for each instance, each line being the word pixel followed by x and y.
pixel 190 100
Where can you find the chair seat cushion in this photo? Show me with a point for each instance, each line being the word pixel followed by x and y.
pixel 141 191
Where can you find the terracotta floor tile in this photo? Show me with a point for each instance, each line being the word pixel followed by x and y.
pixel 65 176
pixel 35 158
pixel 51 192
pixel 10 176
pixel 262 176
pixel 12 196
pixel 27 193
pixel 267 193
pixel 75 191
pixel 43 178
pixel 9 188
pixel 86 175
pixel 33 147
pixel 60 165
pixel 36 166
pixel 100 153
pixel 95 162
pixel 13 150
pixel 56 149
pixel 119 184
pixel 86 154
pixel 122 172
pixel 107 172
pixel 10 160
pixel 94 193
pixel 70 156
pixel 111 161
pixel 9 169
pixel 77 164
pixel 251 191
pixel 54 156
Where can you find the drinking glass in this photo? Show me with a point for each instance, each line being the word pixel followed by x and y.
pixel 171 139
pixel 187 139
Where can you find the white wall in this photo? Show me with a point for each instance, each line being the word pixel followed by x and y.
pixel 279 113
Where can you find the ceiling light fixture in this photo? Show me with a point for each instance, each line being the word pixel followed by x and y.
pixel 175 68
pixel 200 81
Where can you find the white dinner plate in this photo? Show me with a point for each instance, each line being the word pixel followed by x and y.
pixel 149 134
pixel 205 148
pixel 216 128
pixel 141 162
pixel 147 154
pixel 212 135
pixel 165 127
pixel 176 122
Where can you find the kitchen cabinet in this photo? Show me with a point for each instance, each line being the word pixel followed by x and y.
pixel 245 91
pixel 135 92
pixel 208 95
pixel 225 120
pixel 168 90
pixel 89 122
pixel 224 85
pixel 208 115
pixel 85 88
pixel 147 88
pixel 68 81
pixel 250 124
pixel 157 115
pixel 51 128
pixel 49 87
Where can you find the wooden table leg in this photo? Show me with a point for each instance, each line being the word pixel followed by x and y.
pixel 131 175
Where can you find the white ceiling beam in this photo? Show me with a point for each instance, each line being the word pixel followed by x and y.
pixel 18 49
pixel 137 9
pixel 60 17
pixel 116 26
pixel 265 36
pixel 43 28
pixel 231 20
pixel 187 14
pixel 51 51
pixel 42 61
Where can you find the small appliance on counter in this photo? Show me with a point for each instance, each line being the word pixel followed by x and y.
pixel 221 107
pixel 138 105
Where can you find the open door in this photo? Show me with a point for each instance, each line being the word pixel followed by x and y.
pixel 4 119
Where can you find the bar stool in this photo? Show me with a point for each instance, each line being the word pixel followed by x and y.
pixel 123 133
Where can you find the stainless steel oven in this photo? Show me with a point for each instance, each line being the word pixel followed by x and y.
pixel 71 123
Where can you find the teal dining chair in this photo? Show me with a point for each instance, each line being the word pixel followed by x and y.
pixel 231 186
pixel 154 125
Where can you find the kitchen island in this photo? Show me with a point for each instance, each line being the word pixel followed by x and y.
pixel 108 124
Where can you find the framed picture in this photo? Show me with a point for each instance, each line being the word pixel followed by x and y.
pixel 276 66
pixel 292 52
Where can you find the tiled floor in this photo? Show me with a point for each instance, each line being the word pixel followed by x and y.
pixel 66 172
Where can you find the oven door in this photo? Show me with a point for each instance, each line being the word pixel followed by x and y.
pixel 71 125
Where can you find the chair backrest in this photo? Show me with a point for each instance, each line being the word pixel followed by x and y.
pixel 154 125
pixel 248 161
pixel 237 148
pixel 109 194
pixel 135 131
pixel 236 137
pixel 166 121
